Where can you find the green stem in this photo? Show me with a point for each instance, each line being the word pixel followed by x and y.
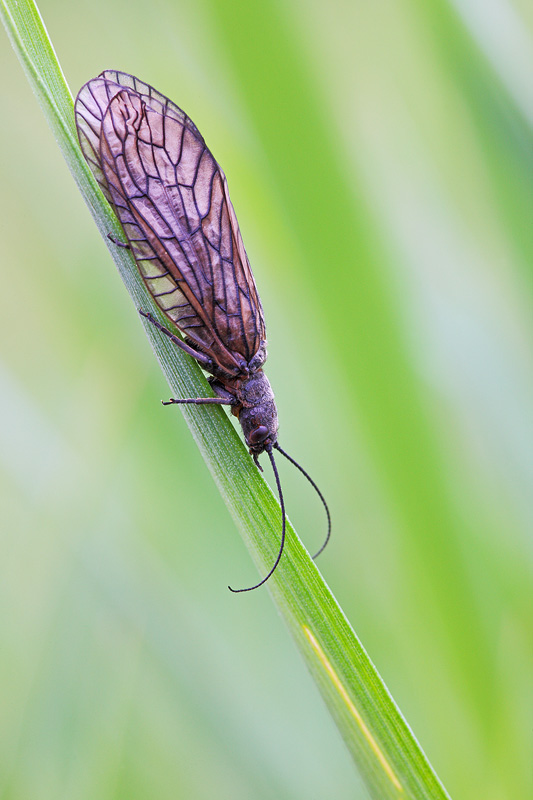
pixel 384 748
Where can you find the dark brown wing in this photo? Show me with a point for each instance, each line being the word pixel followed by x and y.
pixel 172 200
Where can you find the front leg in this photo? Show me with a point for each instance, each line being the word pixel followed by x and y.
pixel 199 401
pixel 224 398
pixel 221 391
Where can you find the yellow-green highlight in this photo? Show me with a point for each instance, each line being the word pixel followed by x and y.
pixel 353 711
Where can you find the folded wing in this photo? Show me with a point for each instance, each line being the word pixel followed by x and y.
pixel 172 200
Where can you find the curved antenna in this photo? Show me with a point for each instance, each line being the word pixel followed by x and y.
pixel 282 504
pixel 317 490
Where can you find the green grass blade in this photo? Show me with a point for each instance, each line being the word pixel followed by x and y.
pixel 384 748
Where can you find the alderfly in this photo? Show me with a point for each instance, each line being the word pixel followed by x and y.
pixel 172 200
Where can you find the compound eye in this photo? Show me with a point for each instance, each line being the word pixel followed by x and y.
pixel 258 435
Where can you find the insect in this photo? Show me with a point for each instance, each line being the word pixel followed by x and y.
pixel 172 200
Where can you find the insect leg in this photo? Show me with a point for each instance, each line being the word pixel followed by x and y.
pixel 202 359
pixel 221 391
pixel 199 401
pixel 116 241
pixel 224 398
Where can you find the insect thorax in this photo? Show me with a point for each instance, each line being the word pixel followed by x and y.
pixel 258 408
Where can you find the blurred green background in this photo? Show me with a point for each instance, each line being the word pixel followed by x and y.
pixel 380 160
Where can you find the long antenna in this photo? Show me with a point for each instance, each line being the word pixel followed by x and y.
pixel 282 504
pixel 317 490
